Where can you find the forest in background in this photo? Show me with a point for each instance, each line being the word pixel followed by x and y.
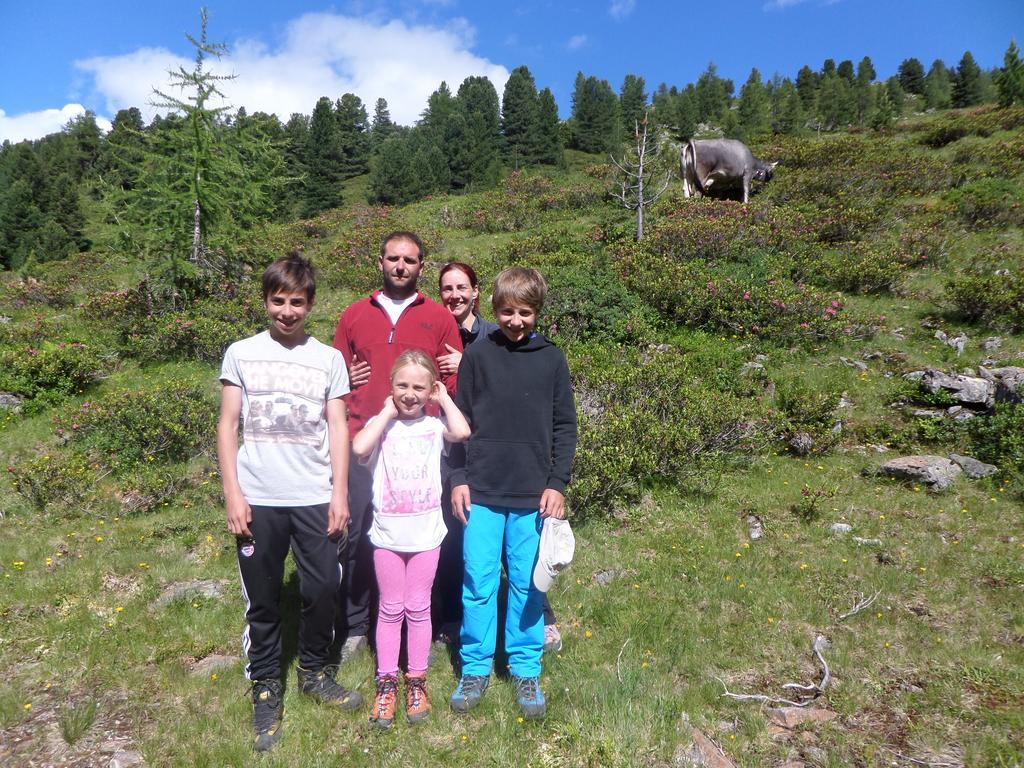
pixel 133 189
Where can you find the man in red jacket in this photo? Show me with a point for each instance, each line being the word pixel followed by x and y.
pixel 371 334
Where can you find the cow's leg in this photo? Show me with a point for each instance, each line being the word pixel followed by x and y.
pixel 747 176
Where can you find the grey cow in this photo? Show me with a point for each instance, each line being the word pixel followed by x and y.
pixel 722 163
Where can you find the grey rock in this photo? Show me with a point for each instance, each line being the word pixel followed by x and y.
pixel 853 363
pixel 126 759
pixel 914 375
pixel 10 402
pixel 840 529
pixel 801 443
pixel 878 448
pixel 604 578
pixel 213 663
pixel 862 542
pixel 845 401
pixel 760 358
pixel 927 413
pixel 205 588
pixel 992 343
pixel 748 368
pixel 937 472
pixel 1008 382
pixel 964 416
pixel 756 527
pixel 968 390
pixel 898 334
pixel 973 468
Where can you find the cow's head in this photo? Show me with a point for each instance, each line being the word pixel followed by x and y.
pixel 765 171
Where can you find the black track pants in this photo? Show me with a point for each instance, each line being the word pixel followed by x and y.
pixel 261 565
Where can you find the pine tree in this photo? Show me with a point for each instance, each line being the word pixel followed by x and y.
pixel 476 135
pixel 845 71
pixel 1010 79
pixel 550 147
pixel 353 141
pixel 911 76
pixel 391 177
pixel 643 172
pixel 382 126
pixel 122 153
pixel 520 119
pixel 807 86
pixel 862 89
pixel 753 107
pixel 792 118
pixel 938 87
pixel 968 88
pixel 632 102
pixel 884 111
pixel 595 115
pixel 896 95
pixel 296 141
pixel 323 161
pixel 712 96
pixel 686 113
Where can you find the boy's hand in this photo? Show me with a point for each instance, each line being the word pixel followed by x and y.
pixel 449 364
pixel 358 372
pixel 552 504
pixel 460 503
pixel 239 516
pixel 337 516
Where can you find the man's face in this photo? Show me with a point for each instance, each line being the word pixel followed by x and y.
pixel 400 265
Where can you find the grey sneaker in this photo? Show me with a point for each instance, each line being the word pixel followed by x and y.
pixel 321 685
pixel 267 709
pixel 529 696
pixel 552 639
pixel 468 692
pixel 353 645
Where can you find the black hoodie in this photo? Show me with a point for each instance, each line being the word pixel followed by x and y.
pixel 517 397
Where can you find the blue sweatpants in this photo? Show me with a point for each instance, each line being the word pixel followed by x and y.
pixel 488 529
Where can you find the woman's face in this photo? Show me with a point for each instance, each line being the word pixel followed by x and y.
pixel 458 294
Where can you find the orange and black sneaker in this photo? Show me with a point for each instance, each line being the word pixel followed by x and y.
pixel 385 702
pixel 417 700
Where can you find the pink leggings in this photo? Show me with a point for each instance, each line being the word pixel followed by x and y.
pixel 404 580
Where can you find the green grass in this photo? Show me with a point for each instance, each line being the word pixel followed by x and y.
pixel 932 671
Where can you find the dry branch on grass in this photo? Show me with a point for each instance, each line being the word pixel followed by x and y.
pixel 808 692
pixel 860 605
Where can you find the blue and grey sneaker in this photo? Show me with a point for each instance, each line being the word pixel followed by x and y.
pixel 468 692
pixel 529 696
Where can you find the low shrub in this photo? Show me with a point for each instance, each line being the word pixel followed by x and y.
pixel 201 332
pixel 807 410
pixel 643 417
pixel 50 371
pixel 165 423
pixel 991 296
pixel 701 296
pixel 17 294
pixel 590 302
pixel 857 267
pixel 999 439
pixel 988 203
pixel 61 480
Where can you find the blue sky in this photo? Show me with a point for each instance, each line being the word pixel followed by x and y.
pixel 59 57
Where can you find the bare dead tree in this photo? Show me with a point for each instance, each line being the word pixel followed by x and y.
pixel 640 173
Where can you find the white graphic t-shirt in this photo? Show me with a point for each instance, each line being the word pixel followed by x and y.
pixel 406 467
pixel 284 458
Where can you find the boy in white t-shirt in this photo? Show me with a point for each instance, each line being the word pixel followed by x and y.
pixel 286 486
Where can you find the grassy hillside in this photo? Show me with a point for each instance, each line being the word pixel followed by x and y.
pixel 739 375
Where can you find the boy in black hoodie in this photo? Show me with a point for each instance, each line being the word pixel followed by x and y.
pixel 515 391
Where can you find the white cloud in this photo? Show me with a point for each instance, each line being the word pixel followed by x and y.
pixel 780 5
pixel 576 42
pixel 35 125
pixel 620 9
pixel 322 54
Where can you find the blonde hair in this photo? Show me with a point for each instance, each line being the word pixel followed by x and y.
pixel 519 285
pixel 415 357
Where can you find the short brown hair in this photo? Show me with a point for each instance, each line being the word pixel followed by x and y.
pixel 290 274
pixel 403 234
pixel 415 357
pixel 519 285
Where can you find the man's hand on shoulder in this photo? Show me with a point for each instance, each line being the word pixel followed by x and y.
pixel 358 372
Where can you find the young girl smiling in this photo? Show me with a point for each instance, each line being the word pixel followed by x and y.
pixel 402 446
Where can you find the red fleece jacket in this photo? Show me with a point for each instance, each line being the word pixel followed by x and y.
pixel 365 331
